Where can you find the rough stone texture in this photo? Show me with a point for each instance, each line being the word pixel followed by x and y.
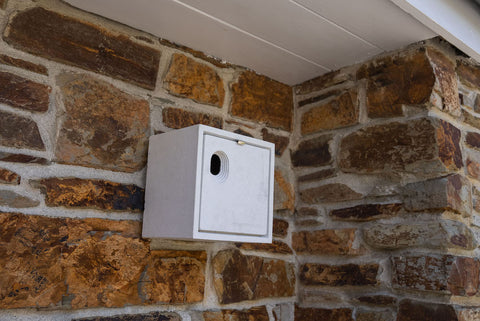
pixel 473 140
pixel 3 4
pixel 280 227
pixel 339 112
pixel 68 40
pixel 89 193
pixel 261 99
pixel 444 70
pixel 304 314
pixel 435 235
pixel 21 158
pixel 93 262
pixel 188 78
pixel 319 175
pixel 241 277
pixel 447 274
pixel 469 315
pixel 416 311
pixel 313 152
pixel 102 126
pixel 476 199
pixel 377 300
pixel 284 195
pixel 323 96
pixel 326 242
pixel 374 316
pixel 9 177
pixel 338 275
pixel 22 93
pixel 334 192
pixel 252 314
pixel 395 146
pixel 13 199
pixel 396 81
pixel 174 277
pixel 452 192
pixel 152 316
pixel 470 119
pixel 306 211
pixel 327 80
pixel 366 212
pixel 178 118
pixel 449 151
pixel 473 169
pixel 20 132
pixel 277 247
pixel 281 142
pixel 468 74
pixel 20 63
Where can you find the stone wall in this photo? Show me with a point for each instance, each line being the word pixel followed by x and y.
pixel 387 166
pixel 377 180
pixel 79 98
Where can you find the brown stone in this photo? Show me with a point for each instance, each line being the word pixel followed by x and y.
pixel 82 44
pixel 338 275
pixel 319 175
pixel 9 177
pixel 334 192
pixel 473 140
pixel 240 277
pixel 89 193
pixel 27 65
pixel 178 118
pixel 102 126
pixel 3 4
pixel 281 142
pixel 13 199
pixel 366 212
pixel 471 119
pixel 395 81
pixel 374 316
pixel 318 98
pixel 280 227
pixel 326 242
pixel 327 80
pixel 152 316
pixel 21 158
pixel 309 223
pixel 442 234
pixel 174 277
pixel 452 192
pixel 468 74
pixel 473 169
pixel 191 79
pixel 262 99
pixel 476 199
pixel 416 311
pixel 276 247
pixel 22 93
pixel 444 70
pixel 339 112
pixel 306 211
pixel 449 151
pixel 307 314
pixel 242 132
pixel 284 195
pixel 377 300
pixel 409 147
pixel 20 132
pixel 252 314
pixel 446 274
pixel 469 315
pixel 93 262
pixel 313 152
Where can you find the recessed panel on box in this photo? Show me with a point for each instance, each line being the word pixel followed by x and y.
pixel 209 184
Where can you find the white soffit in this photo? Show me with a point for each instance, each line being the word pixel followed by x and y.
pixel 458 21
pixel 290 41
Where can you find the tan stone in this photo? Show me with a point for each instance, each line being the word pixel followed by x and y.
pixel 191 79
pixel 339 112
pixel 240 277
pixel 276 247
pixel 326 242
pixel 102 126
pixel 261 99
pixel 9 177
pixel 284 196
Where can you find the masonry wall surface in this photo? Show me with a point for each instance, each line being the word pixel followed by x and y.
pixel 376 180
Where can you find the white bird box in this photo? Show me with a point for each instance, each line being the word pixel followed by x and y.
pixel 205 183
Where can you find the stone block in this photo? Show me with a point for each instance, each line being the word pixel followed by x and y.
pixel 313 152
pixel 20 132
pixel 178 118
pixel 328 193
pixel 9 177
pixel 338 275
pixel 416 311
pixel 20 63
pixel 304 314
pixel 254 314
pixel 326 242
pixel 22 93
pixel 281 142
pixel 13 199
pixel 366 212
